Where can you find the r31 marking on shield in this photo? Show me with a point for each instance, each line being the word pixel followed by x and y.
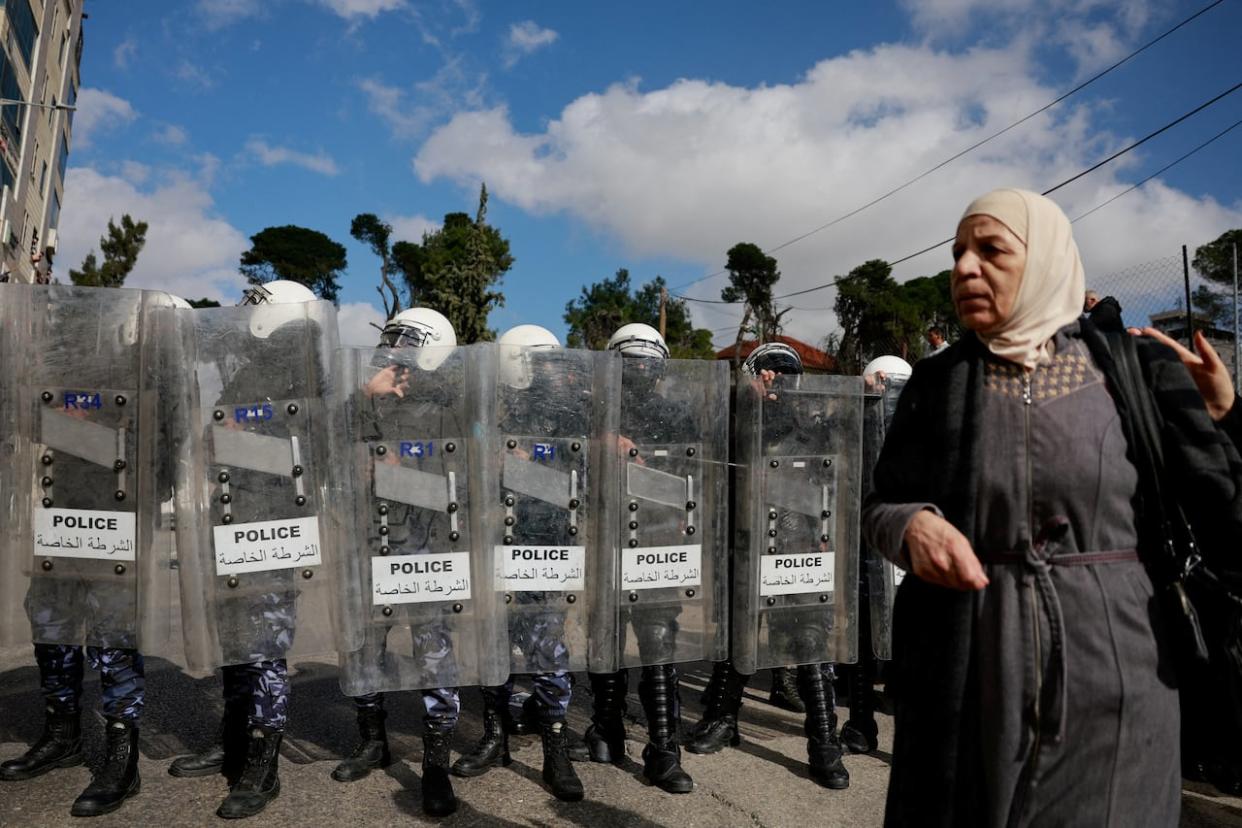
pixel 267 545
pixel 653 567
pixel 796 573
pixel 84 533
pixel 416 579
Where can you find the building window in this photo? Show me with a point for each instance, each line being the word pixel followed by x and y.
pixel 53 215
pixel 64 47
pixel 32 166
pixel 7 177
pixel 23 29
pixel 43 179
pixel 62 157
pixel 11 115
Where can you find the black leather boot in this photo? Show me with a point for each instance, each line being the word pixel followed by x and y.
pixel 823 748
pixel 259 783
pixel 605 738
pixel 371 752
pixel 784 692
pixel 860 734
pixel 662 755
pixel 523 714
pixel 118 779
pixel 226 755
pixel 558 771
pixel 438 797
pixel 492 749
pixel 60 746
pixel 721 702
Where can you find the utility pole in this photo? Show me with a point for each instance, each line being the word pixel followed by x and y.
pixel 1190 314
pixel 664 313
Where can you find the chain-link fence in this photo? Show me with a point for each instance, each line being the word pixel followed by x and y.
pixel 1154 293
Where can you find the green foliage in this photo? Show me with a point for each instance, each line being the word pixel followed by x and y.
pixel 607 305
pixel 297 254
pixel 752 275
pixel 1214 260
pixel 455 271
pixel 120 248
pixel 203 303
pixel 369 229
pixel 879 316
pixel 1215 306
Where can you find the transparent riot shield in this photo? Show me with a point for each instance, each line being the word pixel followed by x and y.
pixel 796 520
pixel 256 464
pixel 664 519
pixel 551 408
pixel 14 325
pixel 83 468
pixel 421 585
pixel 883 577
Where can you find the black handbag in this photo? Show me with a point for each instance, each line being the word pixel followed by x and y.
pixel 1202 611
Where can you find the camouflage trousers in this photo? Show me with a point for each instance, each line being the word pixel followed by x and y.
pixel 540 637
pixel 261 689
pixel 122 677
pixel 441 708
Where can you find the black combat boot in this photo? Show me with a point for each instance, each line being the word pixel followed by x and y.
pixel 721 702
pixel 605 738
pixel 371 752
pixel 823 748
pixel 523 714
pixel 493 747
pixel 860 734
pixel 118 779
pixel 558 771
pixel 785 690
pixel 60 746
pixel 662 755
pixel 438 797
pixel 259 783
pixel 226 755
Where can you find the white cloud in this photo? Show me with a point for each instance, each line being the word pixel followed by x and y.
pixel 99 110
pixel 410 113
pixel 170 134
pixel 357 322
pixel 388 102
pixel 218 14
pixel 194 75
pixel 270 156
pixel 526 38
pixel 124 52
pixel 135 172
pixel 411 228
pixel 190 250
pixel 689 170
pixel 370 9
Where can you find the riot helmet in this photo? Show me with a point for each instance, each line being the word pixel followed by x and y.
pixel 773 356
pixel 279 292
pixel 638 340
pixel 892 366
pixel 516 347
pixel 422 328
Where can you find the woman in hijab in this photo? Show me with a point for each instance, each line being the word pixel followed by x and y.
pixel 1032 680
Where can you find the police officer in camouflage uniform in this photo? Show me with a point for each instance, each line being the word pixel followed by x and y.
pixel 256 692
pixel 539 635
pixel 722 698
pixel 389 404
pixel 648 418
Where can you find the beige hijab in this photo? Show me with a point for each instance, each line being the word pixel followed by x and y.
pixel 1051 291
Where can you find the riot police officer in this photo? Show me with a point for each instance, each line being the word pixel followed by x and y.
pixel 386 403
pixel 723 695
pixel 534 402
pixel 256 693
pixel 656 627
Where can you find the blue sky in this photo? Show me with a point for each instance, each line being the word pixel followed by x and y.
pixel 651 136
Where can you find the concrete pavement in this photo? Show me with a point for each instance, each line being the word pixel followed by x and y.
pixel 762 783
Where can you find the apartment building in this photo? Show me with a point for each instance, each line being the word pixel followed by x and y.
pixel 39 74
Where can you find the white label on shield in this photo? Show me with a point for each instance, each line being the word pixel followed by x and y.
pixel 794 574
pixel 898 574
pixel 83 533
pixel 652 567
pixel 543 568
pixel 267 544
pixel 415 579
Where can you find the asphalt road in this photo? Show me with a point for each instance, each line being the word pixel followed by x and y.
pixel 763 782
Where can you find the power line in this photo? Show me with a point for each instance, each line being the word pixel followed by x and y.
pixel 969 149
pixel 1053 189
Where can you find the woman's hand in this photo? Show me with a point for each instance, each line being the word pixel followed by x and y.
pixel 939 554
pixel 1206 369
